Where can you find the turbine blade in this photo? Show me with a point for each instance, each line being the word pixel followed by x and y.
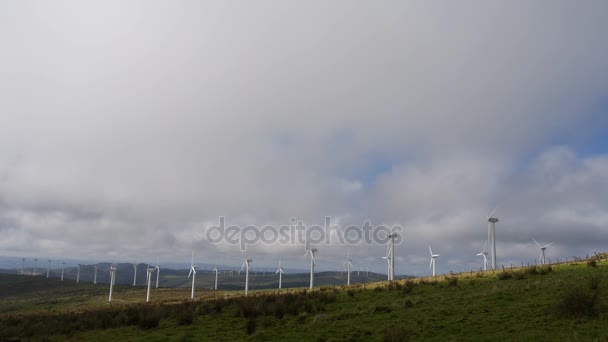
pixel 430 250
pixel 493 212
pixel 484 246
pixel 431 264
pixel 545 246
pixel 537 243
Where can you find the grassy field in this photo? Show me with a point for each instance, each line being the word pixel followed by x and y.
pixel 562 302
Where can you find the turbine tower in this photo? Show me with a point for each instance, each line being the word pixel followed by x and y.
pixel 348 265
pixel 149 270
pixel 485 256
pixel 215 287
pixel 392 236
pixel 134 274
pixel 157 274
pixel 246 262
pixel 48 268
pixel 62 267
pixel 388 262
pixel 78 274
pixel 312 266
pixel 112 279
pixel 492 236
pixel 35 262
pixel 541 258
pixel 280 272
pixel 95 274
pixel 433 261
pixel 193 274
pixel 22 265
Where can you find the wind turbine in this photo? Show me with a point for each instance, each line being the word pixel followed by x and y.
pixel 95 274
pixel 35 262
pixel 348 265
pixel 134 274
pixel 388 261
pixel 215 287
pixel 78 274
pixel 157 274
pixel 392 236
pixel 193 274
pixel 62 267
pixel 112 279
pixel 492 236
pixel 280 272
pixel 149 270
pixel 541 259
pixel 22 265
pixel 485 256
pixel 48 268
pixel 246 262
pixel 312 266
pixel 433 261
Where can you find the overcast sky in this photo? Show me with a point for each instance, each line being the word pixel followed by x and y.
pixel 126 128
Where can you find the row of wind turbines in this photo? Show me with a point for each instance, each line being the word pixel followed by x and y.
pixel 389 257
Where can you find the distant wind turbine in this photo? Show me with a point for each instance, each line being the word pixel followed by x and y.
pixel 157 274
pixel 22 266
pixel 35 264
pixel 388 262
pixel 541 258
pixel 348 265
pixel 62 267
pixel 95 274
pixel 112 279
pixel 149 271
pixel 246 263
pixel 492 236
pixel 485 256
pixel 433 260
pixel 312 266
pixel 193 274
pixel 215 286
pixel 78 274
pixel 134 274
pixel 48 268
pixel 280 272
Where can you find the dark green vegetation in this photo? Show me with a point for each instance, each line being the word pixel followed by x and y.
pixel 562 302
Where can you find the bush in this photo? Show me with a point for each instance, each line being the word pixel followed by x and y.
pixel 351 293
pixel 519 275
pixel 592 263
pixel 408 286
pixel 452 281
pixel 250 326
pixel 578 302
pixel 397 334
pixel 504 275
pixel 184 317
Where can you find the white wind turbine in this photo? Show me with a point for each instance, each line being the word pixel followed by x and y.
pixel 312 252
pixel 216 270
pixel 392 236
pixel 348 265
pixel 492 236
pixel 22 265
pixel 95 274
pixel 157 274
pixel 112 280
pixel 541 258
pixel 193 274
pixel 78 274
pixel 48 268
pixel 134 274
pixel 149 270
pixel 62 267
pixel 280 272
pixel 388 261
pixel 485 256
pixel 246 262
pixel 433 261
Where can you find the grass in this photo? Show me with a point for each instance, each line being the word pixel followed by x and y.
pixel 531 303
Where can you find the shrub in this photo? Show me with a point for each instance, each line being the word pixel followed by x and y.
pixel 592 263
pixel 408 286
pixel 184 317
pixel 452 281
pixel 397 334
pixel 578 302
pixel 351 293
pixel 519 275
pixel 250 326
pixel 504 275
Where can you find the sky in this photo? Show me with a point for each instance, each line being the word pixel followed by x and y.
pixel 128 128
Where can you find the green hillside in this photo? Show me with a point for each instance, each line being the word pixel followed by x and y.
pixel 561 302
